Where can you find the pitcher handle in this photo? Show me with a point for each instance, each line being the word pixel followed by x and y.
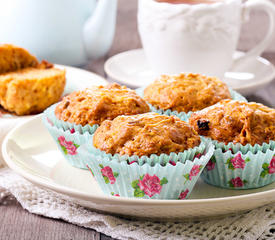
pixel 99 29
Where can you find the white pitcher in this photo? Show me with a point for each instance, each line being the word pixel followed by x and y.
pixel 61 31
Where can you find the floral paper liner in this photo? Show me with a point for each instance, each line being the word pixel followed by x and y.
pixel 69 142
pixel 235 166
pixel 182 115
pixel 53 120
pixel 166 177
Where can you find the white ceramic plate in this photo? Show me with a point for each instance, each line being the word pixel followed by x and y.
pixel 36 157
pixel 131 68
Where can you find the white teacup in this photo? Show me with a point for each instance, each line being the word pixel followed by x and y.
pixel 199 38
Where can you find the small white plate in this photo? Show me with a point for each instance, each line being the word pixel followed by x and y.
pixel 131 68
pixel 36 158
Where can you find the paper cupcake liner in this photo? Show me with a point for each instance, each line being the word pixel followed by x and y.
pixel 182 115
pixel 52 119
pixel 171 176
pixel 235 166
pixel 69 143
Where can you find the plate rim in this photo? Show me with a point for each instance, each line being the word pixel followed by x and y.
pixel 46 183
pixel 113 76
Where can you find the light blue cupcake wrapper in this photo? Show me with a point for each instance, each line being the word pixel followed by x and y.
pixel 49 113
pixel 74 142
pixel 182 115
pixel 252 170
pixel 164 180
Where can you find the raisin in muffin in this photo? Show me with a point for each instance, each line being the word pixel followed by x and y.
pixel 185 92
pixel 236 121
pixel 96 104
pixel 145 134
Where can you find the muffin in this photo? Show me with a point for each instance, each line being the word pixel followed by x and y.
pixel 31 90
pixel 185 92
pixel 73 121
pixel 13 58
pixel 145 134
pixel 147 156
pixel 243 135
pixel 96 104
pixel 236 121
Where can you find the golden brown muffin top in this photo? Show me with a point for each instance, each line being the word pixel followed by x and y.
pixel 236 121
pixel 185 92
pixel 13 58
pixel 98 103
pixel 145 134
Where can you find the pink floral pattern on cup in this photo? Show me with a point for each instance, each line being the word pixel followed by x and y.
pixel 108 174
pixel 193 172
pixel 148 185
pixel 237 162
pixel 183 194
pixel 68 147
pixel 237 182
pixel 268 168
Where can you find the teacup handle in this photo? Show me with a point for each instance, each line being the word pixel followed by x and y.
pixel 269 8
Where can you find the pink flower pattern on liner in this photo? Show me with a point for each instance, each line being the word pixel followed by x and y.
pixel 183 194
pixel 172 163
pixel 194 171
pixel 72 130
pixel 115 194
pixel 68 145
pixel 238 161
pixel 237 182
pixel 150 185
pixel 271 167
pixel 210 165
pixel 108 173
pixel 129 163
pixel 198 155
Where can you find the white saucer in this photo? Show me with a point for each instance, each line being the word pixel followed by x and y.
pixel 131 68
pixel 36 158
